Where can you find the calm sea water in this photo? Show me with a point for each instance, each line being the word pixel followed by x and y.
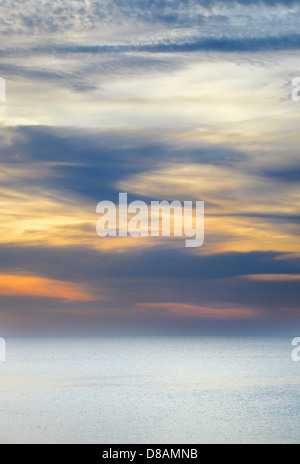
pixel 149 390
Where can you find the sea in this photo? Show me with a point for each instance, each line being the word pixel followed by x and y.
pixel 149 390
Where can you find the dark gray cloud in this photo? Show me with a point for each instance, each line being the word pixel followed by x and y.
pixel 204 44
pixel 82 264
pixel 152 277
pixel 86 165
pixel 90 163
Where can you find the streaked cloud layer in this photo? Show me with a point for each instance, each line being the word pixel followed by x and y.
pixel 187 100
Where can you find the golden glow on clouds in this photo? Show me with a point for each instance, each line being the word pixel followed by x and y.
pixel 30 217
pixel 34 218
pixel 35 286
pixel 233 201
pixel 228 190
pixel 216 101
pixel 190 104
pixel 238 234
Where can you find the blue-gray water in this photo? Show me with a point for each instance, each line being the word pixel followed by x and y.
pixel 149 390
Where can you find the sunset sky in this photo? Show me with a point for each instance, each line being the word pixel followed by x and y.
pixel 166 100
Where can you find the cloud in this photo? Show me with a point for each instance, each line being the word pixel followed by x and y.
pixel 195 311
pixel 166 100
pixel 273 277
pixel 74 44
pixel 76 289
pixel 61 175
pixel 56 16
pixel 233 222
pixel 35 286
pixel 182 45
pixel 210 44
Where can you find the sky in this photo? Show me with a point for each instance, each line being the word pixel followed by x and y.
pixel 166 100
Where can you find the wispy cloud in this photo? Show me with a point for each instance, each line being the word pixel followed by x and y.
pixel 189 310
pixel 165 100
pixel 274 277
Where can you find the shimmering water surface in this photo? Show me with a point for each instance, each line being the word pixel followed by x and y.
pixel 149 390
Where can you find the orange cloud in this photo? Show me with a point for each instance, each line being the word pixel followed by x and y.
pixel 273 277
pixel 203 311
pixel 34 286
pixel 232 222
